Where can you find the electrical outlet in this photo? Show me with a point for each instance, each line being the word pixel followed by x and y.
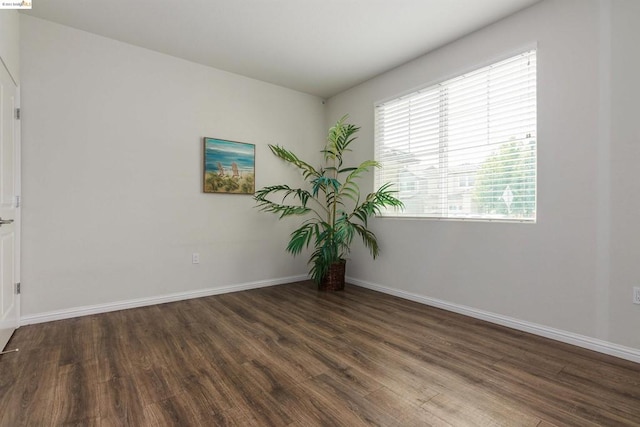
pixel 636 294
pixel 195 258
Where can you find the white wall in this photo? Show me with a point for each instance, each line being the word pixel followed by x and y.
pixel 625 160
pixel 9 45
pixel 571 271
pixel 112 172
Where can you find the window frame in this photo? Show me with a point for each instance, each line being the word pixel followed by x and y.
pixel 432 84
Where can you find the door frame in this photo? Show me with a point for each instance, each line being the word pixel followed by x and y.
pixel 17 177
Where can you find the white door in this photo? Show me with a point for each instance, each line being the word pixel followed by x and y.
pixel 9 209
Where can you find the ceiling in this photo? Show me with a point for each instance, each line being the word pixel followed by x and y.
pixel 321 47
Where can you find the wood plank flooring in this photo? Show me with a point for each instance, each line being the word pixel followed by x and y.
pixel 291 356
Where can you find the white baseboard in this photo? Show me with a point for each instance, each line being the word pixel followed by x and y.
pixel 161 299
pixel 583 341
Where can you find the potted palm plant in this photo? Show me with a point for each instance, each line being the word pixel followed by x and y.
pixel 332 206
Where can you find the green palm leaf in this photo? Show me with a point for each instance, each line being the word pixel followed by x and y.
pixel 331 202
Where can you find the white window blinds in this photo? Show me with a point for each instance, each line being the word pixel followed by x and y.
pixel 464 148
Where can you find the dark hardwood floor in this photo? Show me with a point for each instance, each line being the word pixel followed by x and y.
pixel 288 355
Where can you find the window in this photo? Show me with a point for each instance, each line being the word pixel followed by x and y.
pixel 464 148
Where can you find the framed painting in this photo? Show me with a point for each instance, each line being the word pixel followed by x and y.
pixel 229 167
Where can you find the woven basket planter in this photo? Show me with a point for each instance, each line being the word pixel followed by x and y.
pixel 334 279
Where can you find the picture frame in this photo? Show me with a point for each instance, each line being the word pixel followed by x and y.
pixel 229 166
